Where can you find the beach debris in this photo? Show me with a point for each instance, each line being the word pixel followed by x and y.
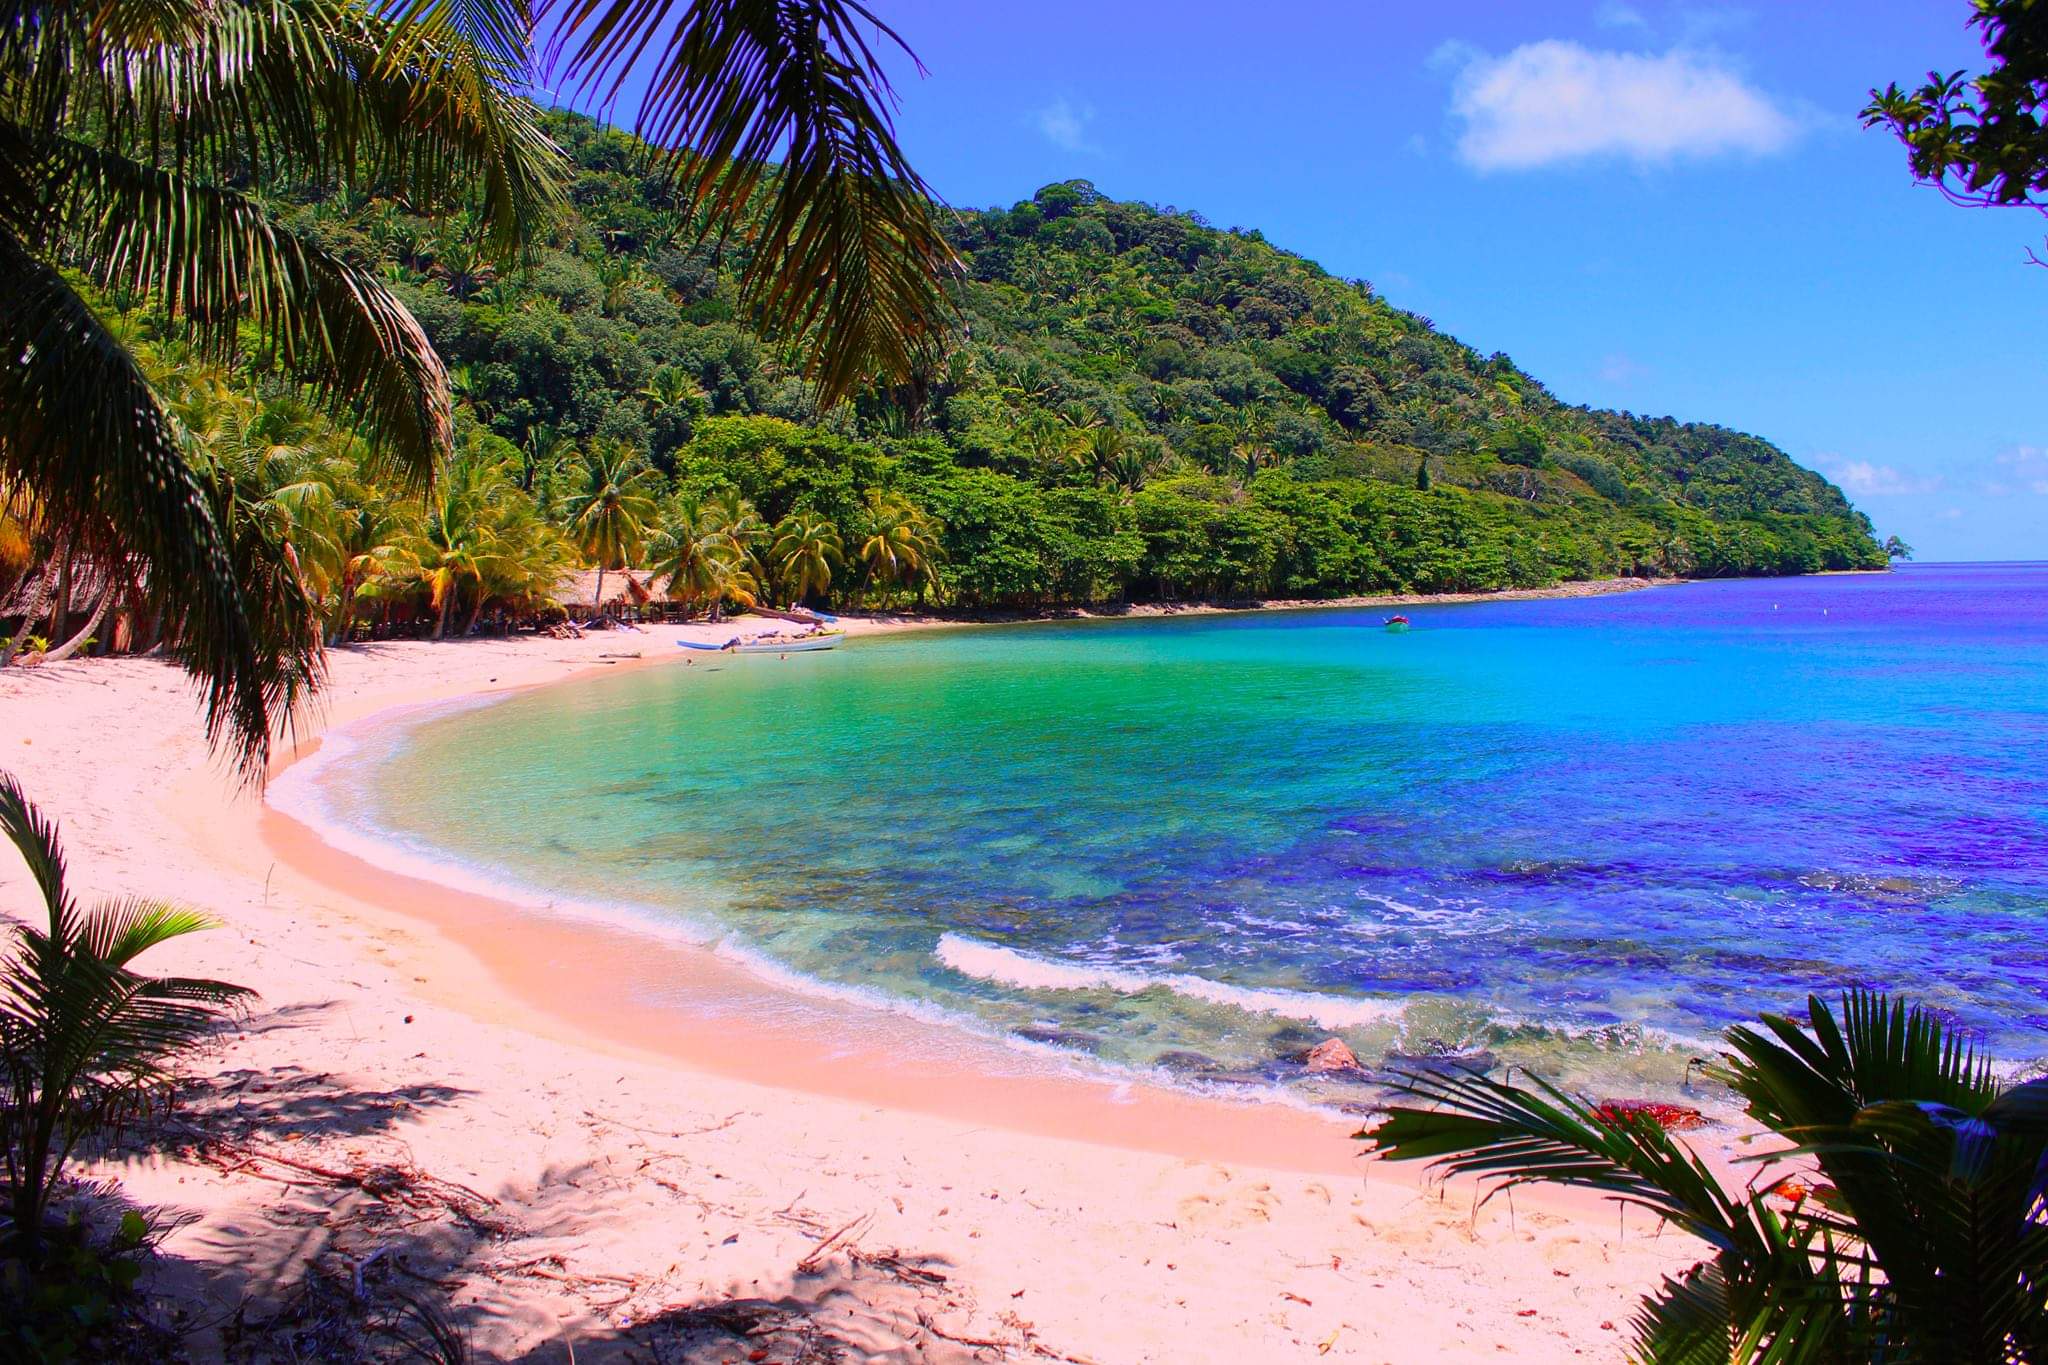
pixel 1332 1054
pixel 809 1264
pixel 1669 1117
pixel 403 1185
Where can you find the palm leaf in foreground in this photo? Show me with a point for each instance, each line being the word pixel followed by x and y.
pixel 81 1031
pixel 1927 1237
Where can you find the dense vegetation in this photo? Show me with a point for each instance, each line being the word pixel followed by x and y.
pixel 1139 406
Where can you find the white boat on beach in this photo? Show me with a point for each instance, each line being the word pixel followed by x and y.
pixel 800 644
pixel 803 644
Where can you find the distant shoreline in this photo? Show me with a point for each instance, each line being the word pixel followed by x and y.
pixel 878 621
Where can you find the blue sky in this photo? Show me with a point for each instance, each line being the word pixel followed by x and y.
pixel 1663 207
pixel 1658 207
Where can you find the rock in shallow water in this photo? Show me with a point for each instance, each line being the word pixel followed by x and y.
pixel 1332 1054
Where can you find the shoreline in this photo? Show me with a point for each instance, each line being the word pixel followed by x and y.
pixel 670 999
pixel 962 1070
pixel 1224 1231
pixel 879 622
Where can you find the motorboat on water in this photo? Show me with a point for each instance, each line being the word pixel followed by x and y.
pixel 1396 624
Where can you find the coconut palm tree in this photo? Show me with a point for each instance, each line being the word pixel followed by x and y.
pixel 128 128
pixel 1253 447
pixel 528 558
pixel 806 553
pixel 670 386
pixel 847 260
pixel 457 541
pixel 743 529
pixel 82 1033
pixel 126 132
pixel 609 514
pixel 900 548
pixel 690 550
pixel 1902 1218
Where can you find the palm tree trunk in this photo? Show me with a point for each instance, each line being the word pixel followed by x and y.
pixel 32 611
pixel 345 591
pixel 60 610
pixel 72 645
pixel 597 597
pixel 482 597
pixel 447 601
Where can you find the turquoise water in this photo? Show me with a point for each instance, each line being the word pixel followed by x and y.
pixel 1577 834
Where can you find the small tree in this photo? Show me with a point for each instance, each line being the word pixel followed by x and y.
pixel 82 1035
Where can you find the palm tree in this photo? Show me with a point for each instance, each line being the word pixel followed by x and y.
pixel 742 528
pixel 457 541
pixel 690 550
pixel 847 258
pixel 82 1034
pixel 1909 1226
pixel 374 540
pixel 901 546
pixel 608 516
pixel 806 551
pixel 670 386
pixel 1253 447
pixel 126 130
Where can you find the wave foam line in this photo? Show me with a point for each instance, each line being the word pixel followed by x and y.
pixel 1007 967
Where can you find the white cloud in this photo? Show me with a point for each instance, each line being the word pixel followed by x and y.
pixel 1621 369
pixel 1065 125
pixel 1614 14
pixel 2029 465
pixel 1862 479
pixel 1556 101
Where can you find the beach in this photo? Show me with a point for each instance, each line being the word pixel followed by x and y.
pixel 575 1163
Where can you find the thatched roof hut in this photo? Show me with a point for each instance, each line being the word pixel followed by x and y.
pixel 577 591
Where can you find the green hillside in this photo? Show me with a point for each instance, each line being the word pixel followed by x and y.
pixel 1140 406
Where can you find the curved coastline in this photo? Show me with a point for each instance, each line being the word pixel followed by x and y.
pixel 608 977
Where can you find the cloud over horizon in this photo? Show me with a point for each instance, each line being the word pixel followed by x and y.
pixel 1065 125
pixel 1864 479
pixel 2024 466
pixel 1555 102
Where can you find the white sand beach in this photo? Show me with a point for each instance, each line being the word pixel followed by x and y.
pixel 439 1093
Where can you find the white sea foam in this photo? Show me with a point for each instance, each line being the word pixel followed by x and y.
pixel 1026 971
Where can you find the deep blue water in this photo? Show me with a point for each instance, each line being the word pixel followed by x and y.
pixel 1539 829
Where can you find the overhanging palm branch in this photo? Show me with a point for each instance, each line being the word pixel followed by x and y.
pixel 81 428
pixel 847 258
pixel 213 256
pixel 125 129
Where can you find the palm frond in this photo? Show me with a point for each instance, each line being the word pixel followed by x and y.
pixel 1508 1136
pixel 217 261
pixel 35 838
pixel 847 258
pixel 1687 1320
pixel 322 88
pixel 81 427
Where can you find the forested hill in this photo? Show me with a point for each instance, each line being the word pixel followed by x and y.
pixel 1141 406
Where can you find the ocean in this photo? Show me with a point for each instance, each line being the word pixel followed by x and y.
pixel 1579 835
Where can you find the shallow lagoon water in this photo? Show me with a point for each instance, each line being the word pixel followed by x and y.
pixel 1565 833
